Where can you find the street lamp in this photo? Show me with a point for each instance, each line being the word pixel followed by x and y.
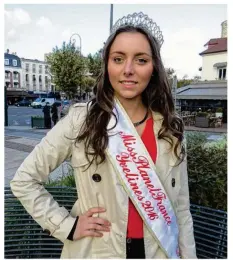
pixel 6 107
pixel 111 17
pixel 74 41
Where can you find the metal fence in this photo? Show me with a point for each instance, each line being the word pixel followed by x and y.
pixel 24 238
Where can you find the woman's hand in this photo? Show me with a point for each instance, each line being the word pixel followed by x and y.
pixel 89 226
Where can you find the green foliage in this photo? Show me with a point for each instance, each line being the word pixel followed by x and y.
pixel 219 110
pixel 94 64
pixel 183 82
pixel 207 170
pixel 66 180
pixel 67 67
pixel 202 114
pixel 88 83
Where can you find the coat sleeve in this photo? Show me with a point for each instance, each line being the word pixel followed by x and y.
pixel 186 235
pixel 27 184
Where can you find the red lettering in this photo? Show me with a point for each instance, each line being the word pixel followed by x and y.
pixel 150 186
pixel 125 169
pixel 140 198
pixel 153 216
pixel 138 192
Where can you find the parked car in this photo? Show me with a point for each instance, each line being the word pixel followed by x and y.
pixel 41 102
pixel 23 103
pixel 58 103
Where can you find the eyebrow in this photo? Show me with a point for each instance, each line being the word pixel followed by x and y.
pixel 137 54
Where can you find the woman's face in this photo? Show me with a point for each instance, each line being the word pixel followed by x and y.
pixel 130 65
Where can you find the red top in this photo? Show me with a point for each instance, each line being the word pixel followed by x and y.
pixel 135 222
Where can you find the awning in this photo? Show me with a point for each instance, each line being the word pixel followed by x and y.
pixel 19 93
pixel 203 91
pixel 220 65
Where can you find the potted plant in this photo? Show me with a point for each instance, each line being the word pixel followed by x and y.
pixel 219 112
pixel 202 119
pixel 37 121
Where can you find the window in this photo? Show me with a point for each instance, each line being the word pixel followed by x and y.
pixel 27 67
pixel 222 72
pixel 27 79
pixel 15 63
pixel 46 69
pixel 16 76
pixel 7 75
pixel 34 68
pixel 6 62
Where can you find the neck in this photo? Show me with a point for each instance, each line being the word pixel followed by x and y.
pixel 135 109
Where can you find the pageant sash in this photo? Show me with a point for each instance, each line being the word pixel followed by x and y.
pixel 137 173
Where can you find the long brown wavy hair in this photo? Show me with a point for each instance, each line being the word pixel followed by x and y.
pixel 157 97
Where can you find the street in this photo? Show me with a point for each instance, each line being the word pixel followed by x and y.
pixel 21 116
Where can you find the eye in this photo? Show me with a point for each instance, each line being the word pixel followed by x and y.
pixel 141 61
pixel 118 60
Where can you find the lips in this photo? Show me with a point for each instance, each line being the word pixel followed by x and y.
pixel 128 82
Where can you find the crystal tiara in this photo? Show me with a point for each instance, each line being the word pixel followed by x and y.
pixel 140 20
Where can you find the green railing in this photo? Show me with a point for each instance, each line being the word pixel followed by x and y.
pixel 24 238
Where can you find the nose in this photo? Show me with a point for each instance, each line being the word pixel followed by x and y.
pixel 129 68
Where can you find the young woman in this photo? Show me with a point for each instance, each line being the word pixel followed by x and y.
pixel 128 158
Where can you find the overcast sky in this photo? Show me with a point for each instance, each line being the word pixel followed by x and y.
pixel 33 30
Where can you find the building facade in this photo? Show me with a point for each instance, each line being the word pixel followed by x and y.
pixel 13 71
pixel 211 91
pixel 36 75
pixel 214 58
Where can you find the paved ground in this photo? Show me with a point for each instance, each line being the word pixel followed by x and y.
pixel 16 150
pixel 21 116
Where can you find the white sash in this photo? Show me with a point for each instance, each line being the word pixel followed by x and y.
pixel 136 171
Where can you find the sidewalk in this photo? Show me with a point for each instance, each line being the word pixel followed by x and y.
pixel 26 129
pixel 16 150
pixel 222 129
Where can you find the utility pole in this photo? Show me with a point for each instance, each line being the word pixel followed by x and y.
pixel 111 16
pixel 74 41
pixel 6 107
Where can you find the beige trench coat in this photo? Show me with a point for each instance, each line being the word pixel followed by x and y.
pixel 58 146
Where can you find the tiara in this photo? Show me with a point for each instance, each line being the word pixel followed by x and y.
pixel 140 20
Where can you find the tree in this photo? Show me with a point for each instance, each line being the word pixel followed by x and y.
pixel 183 82
pixel 197 78
pixel 88 83
pixel 67 68
pixel 170 72
pixel 95 63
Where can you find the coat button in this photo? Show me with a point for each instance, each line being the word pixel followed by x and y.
pixel 128 240
pixel 96 177
pixel 173 182
pixel 47 231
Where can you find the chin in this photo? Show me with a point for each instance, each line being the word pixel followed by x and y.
pixel 127 95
